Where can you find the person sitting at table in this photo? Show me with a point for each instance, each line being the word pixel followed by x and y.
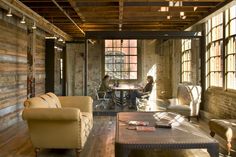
pixel 104 87
pixel 138 93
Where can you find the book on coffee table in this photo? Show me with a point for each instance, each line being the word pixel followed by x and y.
pixel 145 128
pixel 161 124
pixel 138 123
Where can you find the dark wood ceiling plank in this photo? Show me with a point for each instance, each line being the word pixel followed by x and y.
pixel 121 14
pixel 77 10
pixel 136 15
pixel 166 3
pixel 94 4
pixel 164 0
pixel 140 35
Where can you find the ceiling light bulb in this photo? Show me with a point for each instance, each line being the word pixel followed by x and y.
pixel 34 26
pixel 184 17
pixel 181 13
pixel 168 17
pixel 164 9
pixel 60 39
pixel 23 19
pixel 9 14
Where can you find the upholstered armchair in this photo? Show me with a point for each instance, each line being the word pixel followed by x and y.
pixel 187 102
pixel 59 122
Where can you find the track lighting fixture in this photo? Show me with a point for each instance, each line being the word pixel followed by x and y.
pixel 60 39
pixel 183 17
pixel 34 25
pixel 9 14
pixel 23 19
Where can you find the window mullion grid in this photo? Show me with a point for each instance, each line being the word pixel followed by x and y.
pixel 224 80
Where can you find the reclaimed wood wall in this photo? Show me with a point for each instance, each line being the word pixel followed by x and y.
pixel 14 43
pixel 13 71
pixel 40 63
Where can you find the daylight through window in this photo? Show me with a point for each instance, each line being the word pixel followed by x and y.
pixel 121 59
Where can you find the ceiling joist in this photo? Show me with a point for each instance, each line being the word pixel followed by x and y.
pixel 122 15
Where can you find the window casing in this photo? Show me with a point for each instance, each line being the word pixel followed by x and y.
pixel 230 51
pixel 186 57
pixel 121 59
pixel 214 50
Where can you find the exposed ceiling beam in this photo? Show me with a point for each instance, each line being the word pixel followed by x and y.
pixel 41 22
pixel 190 3
pixel 75 7
pixel 146 0
pixel 219 6
pixel 141 34
pixel 78 27
pixel 135 9
pixel 121 13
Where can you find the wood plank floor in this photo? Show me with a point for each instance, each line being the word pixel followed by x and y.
pixel 14 142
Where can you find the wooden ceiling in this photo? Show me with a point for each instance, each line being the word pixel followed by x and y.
pixel 122 15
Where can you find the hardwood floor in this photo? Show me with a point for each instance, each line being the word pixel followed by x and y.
pixel 14 142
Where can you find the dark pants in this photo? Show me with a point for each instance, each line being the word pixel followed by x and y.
pixel 133 95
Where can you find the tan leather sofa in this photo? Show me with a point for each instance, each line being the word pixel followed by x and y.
pixel 59 122
pixel 187 102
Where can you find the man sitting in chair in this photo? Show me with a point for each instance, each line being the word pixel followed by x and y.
pixel 138 93
pixel 104 87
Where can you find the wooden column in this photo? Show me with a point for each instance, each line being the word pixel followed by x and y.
pixel 50 65
pixel 203 66
pixel 85 92
pixel 31 49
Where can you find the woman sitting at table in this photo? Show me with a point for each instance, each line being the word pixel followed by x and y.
pixel 138 93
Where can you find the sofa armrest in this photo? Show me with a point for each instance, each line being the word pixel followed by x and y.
pixel 51 114
pixel 84 103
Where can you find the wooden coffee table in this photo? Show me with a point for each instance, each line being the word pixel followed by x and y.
pixel 184 136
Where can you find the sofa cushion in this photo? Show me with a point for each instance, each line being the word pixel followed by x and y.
pixel 51 102
pixel 181 109
pixel 55 98
pixel 36 102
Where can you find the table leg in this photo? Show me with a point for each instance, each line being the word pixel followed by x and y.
pixel 121 152
pixel 213 150
pixel 121 98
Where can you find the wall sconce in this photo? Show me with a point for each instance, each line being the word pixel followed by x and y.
pixel 23 19
pixel 9 14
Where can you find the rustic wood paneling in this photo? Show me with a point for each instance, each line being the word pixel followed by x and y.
pixel 40 63
pixel 13 71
